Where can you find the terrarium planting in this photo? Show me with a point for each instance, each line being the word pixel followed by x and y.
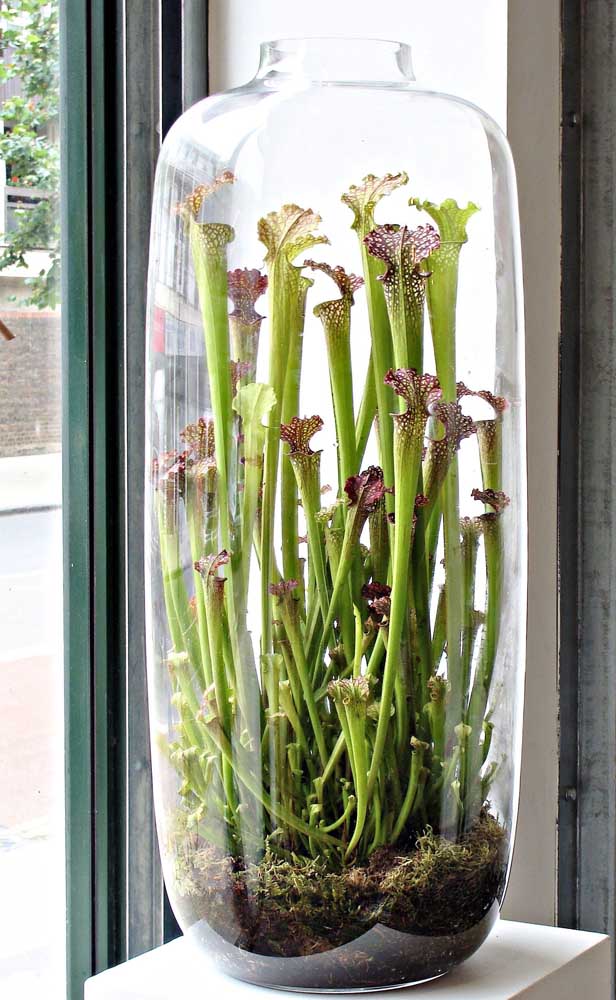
pixel 337 778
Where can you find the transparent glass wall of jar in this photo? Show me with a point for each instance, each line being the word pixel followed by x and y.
pixel 336 520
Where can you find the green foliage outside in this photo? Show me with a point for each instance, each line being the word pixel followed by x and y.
pixel 29 37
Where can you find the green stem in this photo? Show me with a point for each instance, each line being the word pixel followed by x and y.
pixel 442 292
pixel 271 667
pixel 379 543
pixel 378 651
pixel 285 234
pixel 290 407
pixel 439 635
pixel 277 810
pixel 244 343
pixel 352 532
pixel 382 361
pixel 421 600
pixel 362 200
pixel 280 323
pixel 470 546
pixel 432 537
pixel 334 538
pixel 252 402
pixel 442 298
pixel 336 319
pixel 175 630
pixel 366 415
pixel 493 549
pixel 253 477
pixel 184 623
pixel 334 757
pixel 436 711
pixel 288 707
pixel 417 755
pixel 357 733
pixel 359 643
pixel 208 243
pixel 350 806
pixel 408 448
pixel 490 440
pixel 291 626
pixel 192 518
pixel 305 469
pixel 454 587
pixel 493 541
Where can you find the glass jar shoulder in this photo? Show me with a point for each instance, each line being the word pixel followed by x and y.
pixel 220 123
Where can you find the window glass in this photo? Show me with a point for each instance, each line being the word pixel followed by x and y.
pixel 32 916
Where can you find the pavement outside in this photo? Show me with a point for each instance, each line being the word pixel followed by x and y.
pixel 32 910
pixel 30 482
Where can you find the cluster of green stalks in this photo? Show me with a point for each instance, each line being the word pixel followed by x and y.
pixel 366 718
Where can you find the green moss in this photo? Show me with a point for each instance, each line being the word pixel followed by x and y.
pixel 294 905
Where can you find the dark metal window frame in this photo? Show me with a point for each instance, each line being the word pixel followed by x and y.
pixel 587 505
pixel 568 462
pixel 128 67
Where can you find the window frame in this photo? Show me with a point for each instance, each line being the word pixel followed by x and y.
pixel 569 446
pixel 76 487
pixel 126 70
pixel 93 657
pixel 587 815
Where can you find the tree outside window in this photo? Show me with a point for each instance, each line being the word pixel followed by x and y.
pixel 28 145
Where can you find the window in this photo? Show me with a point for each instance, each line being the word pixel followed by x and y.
pixel 129 68
pixel 32 913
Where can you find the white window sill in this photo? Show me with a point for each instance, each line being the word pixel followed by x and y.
pixel 538 963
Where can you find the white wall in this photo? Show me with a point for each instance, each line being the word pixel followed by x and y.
pixel 534 134
pixel 464 50
pixel 457 48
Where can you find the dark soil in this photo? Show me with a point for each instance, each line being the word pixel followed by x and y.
pixel 402 917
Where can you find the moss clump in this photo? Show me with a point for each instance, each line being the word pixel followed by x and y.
pixel 298 906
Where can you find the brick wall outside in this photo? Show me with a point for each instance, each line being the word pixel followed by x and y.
pixel 30 402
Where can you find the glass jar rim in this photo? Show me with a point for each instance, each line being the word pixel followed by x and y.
pixel 340 59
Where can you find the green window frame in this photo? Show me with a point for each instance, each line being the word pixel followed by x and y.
pixel 127 69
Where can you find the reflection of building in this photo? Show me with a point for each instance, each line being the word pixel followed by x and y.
pixel 30 363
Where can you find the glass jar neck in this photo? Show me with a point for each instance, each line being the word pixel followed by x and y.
pixel 337 60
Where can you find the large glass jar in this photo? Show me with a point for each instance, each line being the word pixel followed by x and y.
pixel 336 520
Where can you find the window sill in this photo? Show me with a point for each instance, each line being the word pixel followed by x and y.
pixel 539 963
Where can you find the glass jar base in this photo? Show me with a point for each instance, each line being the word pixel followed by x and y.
pixel 380 959
pixel 359 989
